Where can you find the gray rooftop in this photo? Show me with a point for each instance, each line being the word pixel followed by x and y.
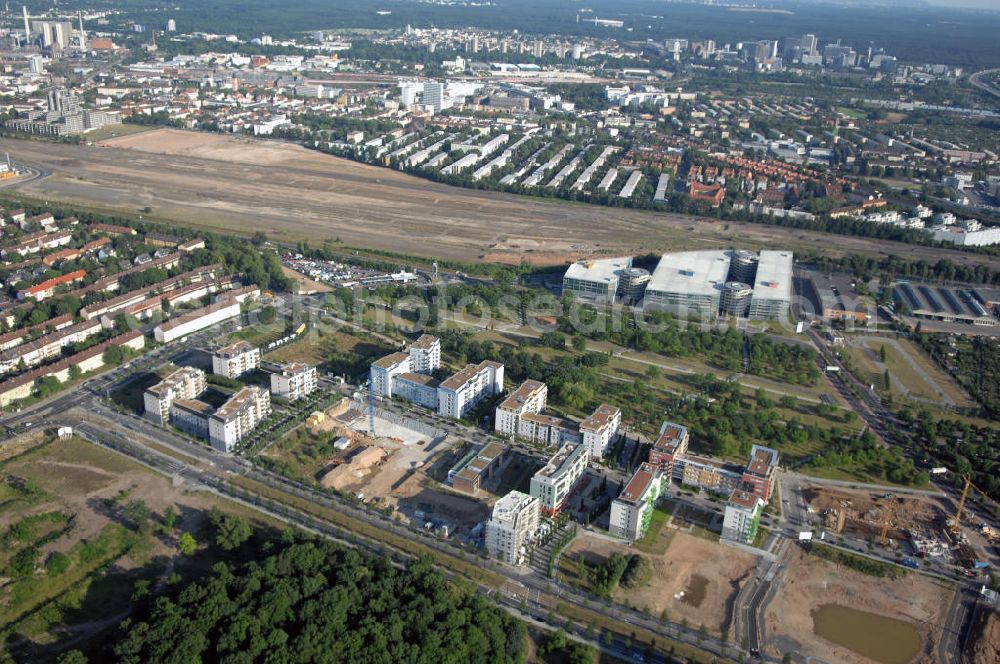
pixel 774 276
pixel 691 272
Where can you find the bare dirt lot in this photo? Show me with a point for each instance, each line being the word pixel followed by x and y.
pixel 290 193
pixel 708 574
pixel 866 511
pixel 811 582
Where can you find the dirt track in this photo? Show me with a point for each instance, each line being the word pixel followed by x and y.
pixel 291 193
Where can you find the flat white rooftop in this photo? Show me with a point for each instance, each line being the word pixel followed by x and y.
pixel 774 276
pixel 604 270
pixel 691 272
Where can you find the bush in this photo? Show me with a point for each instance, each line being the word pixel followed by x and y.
pixel 57 564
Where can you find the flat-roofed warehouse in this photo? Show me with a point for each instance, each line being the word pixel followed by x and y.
pixel 772 289
pixel 595 280
pixel 688 283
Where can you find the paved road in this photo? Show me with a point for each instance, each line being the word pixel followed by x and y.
pixel 978 80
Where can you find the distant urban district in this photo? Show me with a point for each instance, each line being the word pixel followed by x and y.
pixel 765 430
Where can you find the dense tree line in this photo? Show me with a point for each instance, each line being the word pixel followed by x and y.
pixel 317 601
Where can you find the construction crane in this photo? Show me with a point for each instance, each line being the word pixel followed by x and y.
pixel 957 524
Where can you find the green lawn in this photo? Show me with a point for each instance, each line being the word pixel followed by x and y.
pixel 658 536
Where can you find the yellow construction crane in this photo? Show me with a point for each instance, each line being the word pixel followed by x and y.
pixel 956 526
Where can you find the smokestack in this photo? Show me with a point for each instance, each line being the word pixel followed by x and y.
pixel 27 30
pixel 83 34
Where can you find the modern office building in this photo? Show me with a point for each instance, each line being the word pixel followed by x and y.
pixel 705 283
pixel 236 418
pixel 632 510
pixel 632 285
pixel 742 517
pixel 512 527
pixel 294 381
pixel 772 291
pixel 236 359
pixel 529 397
pixel 595 280
pixel 460 392
pixel 184 383
pixel 553 484
pixel 425 354
pixel 735 299
pixel 600 428
pixel 688 284
pixel 434 97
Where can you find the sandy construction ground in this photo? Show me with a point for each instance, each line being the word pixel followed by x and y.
pixel 811 582
pixel 242 185
pixel 708 574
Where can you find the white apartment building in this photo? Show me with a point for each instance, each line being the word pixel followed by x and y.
pixel 196 320
pixel 185 383
pixel 425 354
pixel 384 369
pixel 236 418
pixel 512 527
pixel 553 483
pixel 235 359
pixel 632 510
pixel 295 381
pixel 420 389
pixel 459 393
pixel 742 517
pixel 529 397
pixel 599 429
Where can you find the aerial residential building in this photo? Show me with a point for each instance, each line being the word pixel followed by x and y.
pixel 761 471
pixel 529 397
pixel 184 383
pixel 385 369
pixel 417 388
pixel 480 468
pixel 196 320
pixel 599 429
pixel 191 416
pixel 670 446
pixel 548 429
pixel 512 526
pixel 236 418
pixel 553 484
pixel 236 359
pixel 595 280
pixel 632 510
pixel 425 354
pixel 294 381
pixel 742 517
pixel 47 288
pixel 47 346
pixel 459 393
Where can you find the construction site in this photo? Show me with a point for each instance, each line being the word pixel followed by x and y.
pixel 919 525
pixel 394 468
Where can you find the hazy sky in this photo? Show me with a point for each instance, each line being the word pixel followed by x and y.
pixel 978 4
